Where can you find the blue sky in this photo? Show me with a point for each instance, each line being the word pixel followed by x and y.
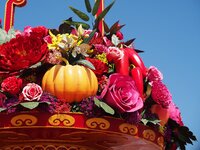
pixel 168 32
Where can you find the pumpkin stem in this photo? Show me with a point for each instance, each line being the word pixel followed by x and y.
pixel 65 60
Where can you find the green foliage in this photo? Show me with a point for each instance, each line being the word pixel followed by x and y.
pixel 91 10
pixel 104 106
pixel 30 105
pixel 96 7
pixel 88 6
pixel 85 63
pixel 80 14
pixel 87 40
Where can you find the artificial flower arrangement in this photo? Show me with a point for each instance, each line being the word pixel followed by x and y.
pixel 75 69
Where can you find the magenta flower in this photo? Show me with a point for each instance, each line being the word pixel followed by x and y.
pixel 154 74
pixel 122 94
pixel 32 92
pixel 174 114
pixel 160 94
pixel 100 48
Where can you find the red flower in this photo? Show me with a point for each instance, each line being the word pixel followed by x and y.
pixel 100 67
pixel 24 50
pixel 12 85
pixel 32 92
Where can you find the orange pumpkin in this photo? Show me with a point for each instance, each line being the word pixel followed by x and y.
pixel 70 83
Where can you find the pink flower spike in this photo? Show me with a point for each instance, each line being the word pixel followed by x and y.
pixel 154 74
pixel 160 94
pixel 175 114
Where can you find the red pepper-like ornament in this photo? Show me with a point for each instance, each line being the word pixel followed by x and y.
pixel 137 76
pixel 136 60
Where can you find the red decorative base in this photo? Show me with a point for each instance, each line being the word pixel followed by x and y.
pixel 73 131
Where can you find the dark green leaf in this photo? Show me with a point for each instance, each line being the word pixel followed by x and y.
pixel 105 11
pixel 104 106
pixel 30 105
pixel 77 24
pixel 86 63
pixel 139 51
pixel 114 26
pixel 129 42
pixel 79 13
pixel 91 35
pixel 106 28
pixel 88 6
pixel 65 28
pixel 2 109
pixel 96 7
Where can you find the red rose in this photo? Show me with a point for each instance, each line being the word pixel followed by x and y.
pixel 100 67
pixel 12 85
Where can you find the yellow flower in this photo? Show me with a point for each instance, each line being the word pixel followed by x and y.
pixel 102 57
pixel 55 41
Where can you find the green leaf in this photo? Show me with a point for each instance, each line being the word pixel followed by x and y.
pixel 129 42
pixel 86 63
pixel 106 28
pixel 79 13
pixel 77 24
pixel 107 108
pixel 104 106
pixel 144 121
pixel 2 109
pixel 30 105
pixel 91 35
pixel 96 7
pixel 155 121
pixel 88 6
pixel 105 11
pixel 114 27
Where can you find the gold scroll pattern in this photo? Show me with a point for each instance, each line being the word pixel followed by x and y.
pixel 128 128
pixel 160 141
pixel 58 119
pixel 44 147
pixel 149 135
pixel 98 123
pixel 24 120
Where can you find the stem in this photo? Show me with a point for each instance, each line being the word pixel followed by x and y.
pixel 64 60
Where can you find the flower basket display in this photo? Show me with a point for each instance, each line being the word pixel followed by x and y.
pixel 83 87
pixel 73 131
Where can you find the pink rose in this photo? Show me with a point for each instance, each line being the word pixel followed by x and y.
pixel 154 74
pixel 174 114
pixel 160 94
pixel 114 53
pixel 32 92
pixel 12 85
pixel 122 94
